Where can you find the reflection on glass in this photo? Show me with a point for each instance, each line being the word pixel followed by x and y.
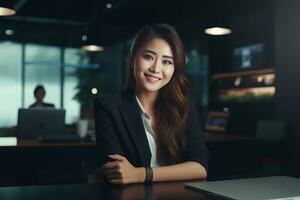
pixel 42 66
pixel 74 59
pixel 10 82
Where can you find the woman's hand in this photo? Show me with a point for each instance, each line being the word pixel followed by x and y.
pixel 121 171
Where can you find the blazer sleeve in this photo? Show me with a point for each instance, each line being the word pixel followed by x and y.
pixel 106 138
pixel 195 147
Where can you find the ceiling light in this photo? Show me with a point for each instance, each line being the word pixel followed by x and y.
pixel 94 91
pixel 9 32
pixel 7 11
pixel 92 47
pixel 217 31
pixel 84 38
pixel 108 5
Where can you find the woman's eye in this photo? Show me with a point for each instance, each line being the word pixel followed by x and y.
pixel 147 57
pixel 167 62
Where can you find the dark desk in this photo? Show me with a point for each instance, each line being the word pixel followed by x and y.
pixel 32 162
pixel 35 163
pixel 208 137
pixel 35 143
pixel 159 191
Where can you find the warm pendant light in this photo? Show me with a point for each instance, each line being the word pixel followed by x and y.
pixel 4 11
pixel 217 31
pixel 92 47
pixel 91 39
pixel 217 24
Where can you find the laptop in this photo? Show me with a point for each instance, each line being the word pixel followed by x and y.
pixel 274 187
pixel 36 122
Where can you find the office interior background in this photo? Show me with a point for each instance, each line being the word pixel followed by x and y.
pixel 251 73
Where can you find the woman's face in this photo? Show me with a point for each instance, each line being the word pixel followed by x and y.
pixel 153 66
pixel 39 95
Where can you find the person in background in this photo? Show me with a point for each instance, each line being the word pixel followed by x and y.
pixel 39 94
pixel 151 132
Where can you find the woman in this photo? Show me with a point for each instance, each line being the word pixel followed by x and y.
pixel 151 132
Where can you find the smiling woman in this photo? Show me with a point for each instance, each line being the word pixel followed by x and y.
pixel 151 132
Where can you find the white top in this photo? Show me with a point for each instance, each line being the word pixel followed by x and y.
pixel 149 133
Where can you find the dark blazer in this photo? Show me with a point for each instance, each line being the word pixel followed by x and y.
pixel 120 130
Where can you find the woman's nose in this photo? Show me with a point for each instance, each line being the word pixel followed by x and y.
pixel 155 68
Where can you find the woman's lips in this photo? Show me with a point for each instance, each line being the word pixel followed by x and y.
pixel 152 78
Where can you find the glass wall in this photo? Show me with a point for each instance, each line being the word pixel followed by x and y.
pixel 53 67
pixel 10 82
pixel 73 59
pixel 42 66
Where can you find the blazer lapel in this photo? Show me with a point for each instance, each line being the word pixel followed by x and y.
pixel 132 117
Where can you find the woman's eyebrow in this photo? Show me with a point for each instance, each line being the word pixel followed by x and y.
pixel 150 51
pixel 165 56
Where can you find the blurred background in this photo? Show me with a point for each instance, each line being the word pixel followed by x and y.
pixel 245 81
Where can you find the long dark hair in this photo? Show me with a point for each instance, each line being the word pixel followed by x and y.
pixel 172 102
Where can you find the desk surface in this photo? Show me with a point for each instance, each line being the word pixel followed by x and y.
pixel 159 191
pixel 217 137
pixel 36 143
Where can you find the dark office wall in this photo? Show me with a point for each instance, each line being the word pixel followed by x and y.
pixel 251 22
pixel 287 63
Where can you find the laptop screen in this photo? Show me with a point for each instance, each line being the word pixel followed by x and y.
pixel 35 122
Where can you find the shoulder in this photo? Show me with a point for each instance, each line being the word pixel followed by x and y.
pixel 32 105
pixel 48 105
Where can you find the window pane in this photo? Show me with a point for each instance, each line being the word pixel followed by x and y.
pixel 42 66
pixel 74 59
pixel 35 53
pixel 10 83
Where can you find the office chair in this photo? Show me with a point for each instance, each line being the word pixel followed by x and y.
pixel 270 130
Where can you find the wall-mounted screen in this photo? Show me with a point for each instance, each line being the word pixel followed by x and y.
pixel 247 57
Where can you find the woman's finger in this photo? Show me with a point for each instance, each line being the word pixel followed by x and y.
pixel 112 165
pixel 113 176
pixel 112 171
pixel 117 157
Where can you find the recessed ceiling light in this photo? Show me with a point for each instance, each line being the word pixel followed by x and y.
pixel 84 38
pixel 217 31
pixel 94 91
pixel 108 5
pixel 7 11
pixel 9 32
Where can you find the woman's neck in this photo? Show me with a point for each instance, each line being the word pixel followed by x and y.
pixel 39 102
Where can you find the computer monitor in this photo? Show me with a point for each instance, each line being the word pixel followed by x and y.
pixel 35 122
